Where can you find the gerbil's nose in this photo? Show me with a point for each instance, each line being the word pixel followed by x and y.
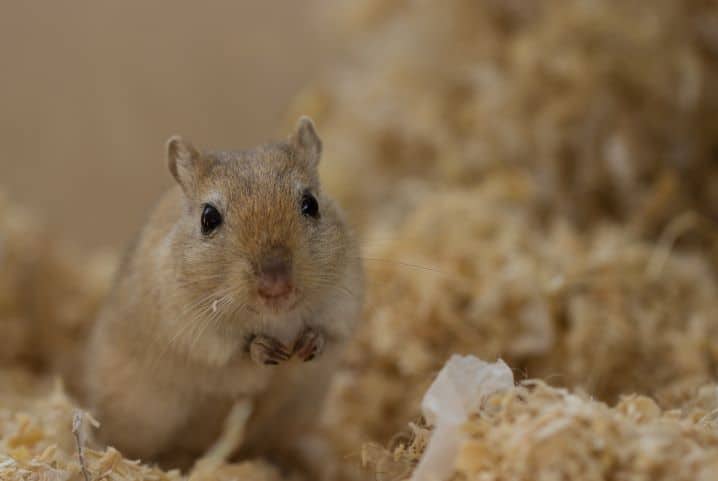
pixel 275 274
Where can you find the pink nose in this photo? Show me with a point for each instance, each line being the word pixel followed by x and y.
pixel 274 277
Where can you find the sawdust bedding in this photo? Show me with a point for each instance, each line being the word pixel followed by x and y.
pixel 543 190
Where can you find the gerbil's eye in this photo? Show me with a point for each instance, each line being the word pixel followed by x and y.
pixel 310 207
pixel 211 219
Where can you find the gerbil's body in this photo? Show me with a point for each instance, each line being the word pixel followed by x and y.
pixel 243 273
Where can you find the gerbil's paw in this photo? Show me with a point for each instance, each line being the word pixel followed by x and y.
pixel 267 350
pixel 310 344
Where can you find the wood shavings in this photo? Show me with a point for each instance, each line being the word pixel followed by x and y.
pixel 38 442
pixel 536 432
pixel 49 294
pixel 77 425
pixel 605 326
pixel 608 107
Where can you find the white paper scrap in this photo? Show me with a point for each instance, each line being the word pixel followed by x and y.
pixel 459 389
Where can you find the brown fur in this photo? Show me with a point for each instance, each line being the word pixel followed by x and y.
pixel 169 353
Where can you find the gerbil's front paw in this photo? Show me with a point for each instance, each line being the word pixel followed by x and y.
pixel 267 350
pixel 310 344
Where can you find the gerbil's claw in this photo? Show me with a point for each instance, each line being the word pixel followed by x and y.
pixel 267 350
pixel 309 345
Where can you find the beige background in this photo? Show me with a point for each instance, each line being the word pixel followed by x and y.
pixel 90 90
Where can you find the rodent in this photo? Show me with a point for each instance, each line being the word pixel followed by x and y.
pixel 245 281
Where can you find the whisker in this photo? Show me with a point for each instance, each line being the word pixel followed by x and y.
pixel 332 285
pixel 191 314
pixel 401 263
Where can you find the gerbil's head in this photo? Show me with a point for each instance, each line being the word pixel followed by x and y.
pixel 256 232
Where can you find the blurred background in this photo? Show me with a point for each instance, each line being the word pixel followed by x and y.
pixel 90 91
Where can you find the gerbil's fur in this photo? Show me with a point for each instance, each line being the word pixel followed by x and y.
pixel 184 332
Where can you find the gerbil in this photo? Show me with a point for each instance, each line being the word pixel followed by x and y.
pixel 244 273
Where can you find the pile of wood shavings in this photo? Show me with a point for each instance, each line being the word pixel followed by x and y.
pixel 609 105
pixel 49 294
pixel 600 311
pixel 539 433
pixel 37 443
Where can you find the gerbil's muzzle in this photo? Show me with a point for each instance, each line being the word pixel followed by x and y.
pixel 275 274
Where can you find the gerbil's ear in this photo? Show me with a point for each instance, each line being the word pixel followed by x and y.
pixel 306 141
pixel 184 161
